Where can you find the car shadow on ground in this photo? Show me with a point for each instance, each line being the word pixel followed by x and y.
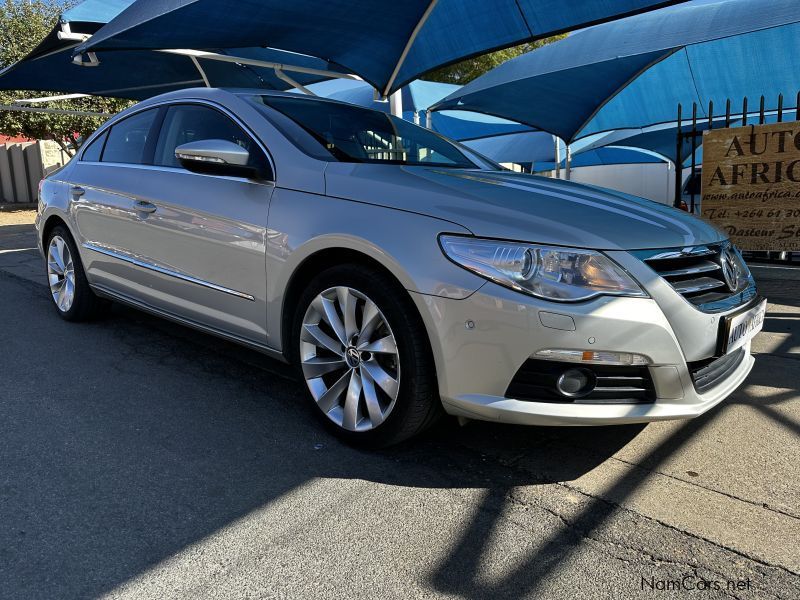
pixel 126 440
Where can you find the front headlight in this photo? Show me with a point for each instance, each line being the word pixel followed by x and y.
pixel 549 272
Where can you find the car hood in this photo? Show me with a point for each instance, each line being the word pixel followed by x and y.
pixel 516 206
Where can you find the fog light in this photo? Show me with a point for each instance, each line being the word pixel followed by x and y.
pixel 575 383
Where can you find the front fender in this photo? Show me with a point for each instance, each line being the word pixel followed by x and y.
pixel 302 225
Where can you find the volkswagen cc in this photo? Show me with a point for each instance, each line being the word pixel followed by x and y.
pixel 403 274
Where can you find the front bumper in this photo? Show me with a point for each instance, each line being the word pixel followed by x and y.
pixel 481 342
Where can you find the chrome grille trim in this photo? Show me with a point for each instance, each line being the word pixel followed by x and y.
pixel 684 253
pixel 696 273
pixel 692 286
pixel 703 267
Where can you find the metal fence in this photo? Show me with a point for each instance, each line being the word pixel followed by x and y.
pixel 23 165
pixel 699 125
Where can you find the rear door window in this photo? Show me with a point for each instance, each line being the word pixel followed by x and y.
pixel 128 140
pixel 95 149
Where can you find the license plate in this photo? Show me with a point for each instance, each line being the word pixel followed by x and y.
pixel 740 329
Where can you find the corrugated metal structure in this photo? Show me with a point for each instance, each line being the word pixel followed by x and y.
pixel 23 165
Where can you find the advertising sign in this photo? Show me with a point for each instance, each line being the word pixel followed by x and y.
pixel 751 184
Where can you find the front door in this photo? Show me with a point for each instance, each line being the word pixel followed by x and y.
pixel 205 239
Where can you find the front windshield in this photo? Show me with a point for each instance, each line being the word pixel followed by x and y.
pixel 355 134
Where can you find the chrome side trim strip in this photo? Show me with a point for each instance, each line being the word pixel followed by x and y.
pixel 162 270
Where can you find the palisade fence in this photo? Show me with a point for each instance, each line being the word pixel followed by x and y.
pixel 23 165
pixel 696 126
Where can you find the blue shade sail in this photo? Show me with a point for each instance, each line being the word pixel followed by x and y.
pixel 137 75
pixel 633 73
pixel 614 155
pixel 387 43
pixel 141 74
pixel 95 11
pixel 521 148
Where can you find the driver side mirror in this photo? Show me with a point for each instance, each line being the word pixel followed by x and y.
pixel 217 157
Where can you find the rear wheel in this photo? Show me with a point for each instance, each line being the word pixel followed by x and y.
pixel 365 358
pixel 72 296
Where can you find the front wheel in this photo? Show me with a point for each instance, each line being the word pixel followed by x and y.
pixel 365 357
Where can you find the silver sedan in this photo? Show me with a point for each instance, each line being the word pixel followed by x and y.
pixel 404 274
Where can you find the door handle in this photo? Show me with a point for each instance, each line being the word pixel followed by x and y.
pixel 78 191
pixel 144 207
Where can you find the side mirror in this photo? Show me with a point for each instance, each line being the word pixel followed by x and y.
pixel 216 157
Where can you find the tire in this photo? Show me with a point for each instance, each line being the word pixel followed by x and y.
pixel 341 368
pixel 72 297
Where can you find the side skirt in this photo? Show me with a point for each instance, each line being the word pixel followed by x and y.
pixel 143 306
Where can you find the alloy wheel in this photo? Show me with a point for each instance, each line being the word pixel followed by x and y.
pixel 349 359
pixel 61 273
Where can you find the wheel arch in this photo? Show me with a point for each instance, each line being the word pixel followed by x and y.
pixel 50 223
pixel 311 266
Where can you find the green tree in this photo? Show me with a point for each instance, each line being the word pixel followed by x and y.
pixel 463 72
pixel 23 24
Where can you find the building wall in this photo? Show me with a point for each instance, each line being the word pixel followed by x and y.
pixel 655 181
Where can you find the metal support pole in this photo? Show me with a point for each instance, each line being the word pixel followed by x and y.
pixel 200 70
pixel 428 119
pixel 396 104
pixel 56 111
pixel 202 54
pixel 50 98
pixel 694 160
pixel 679 160
pixel 284 77
pixel 568 164
pixel 557 141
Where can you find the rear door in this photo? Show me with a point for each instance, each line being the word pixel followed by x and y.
pixel 105 201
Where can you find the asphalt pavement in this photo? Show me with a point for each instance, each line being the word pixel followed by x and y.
pixel 141 459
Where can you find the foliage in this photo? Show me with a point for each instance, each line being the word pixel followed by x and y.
pixel 463 72
pixel 23 24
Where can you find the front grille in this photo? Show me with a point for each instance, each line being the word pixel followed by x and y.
pixel 696 274
pixel 536 382
pixel 707 374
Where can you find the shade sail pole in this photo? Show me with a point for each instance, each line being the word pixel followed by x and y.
pixel 295 84
pixel 195 55
pixel 557 141
pixel 568 164
pixel 50 98
pixel 55 111
pixel 201 54
pixel 420 24
pixel 200 70
pixel 396 104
